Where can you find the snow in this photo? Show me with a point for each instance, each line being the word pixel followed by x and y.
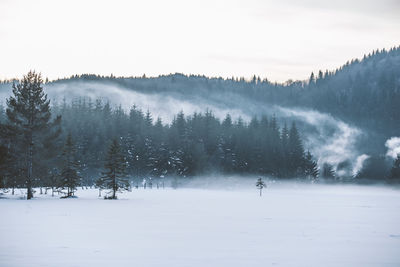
pixel 291 225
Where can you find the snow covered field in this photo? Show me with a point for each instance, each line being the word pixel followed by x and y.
pixel 291 225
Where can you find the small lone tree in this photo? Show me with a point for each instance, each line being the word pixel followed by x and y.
pixel 114 177
pixel 260 185
pixel 69 175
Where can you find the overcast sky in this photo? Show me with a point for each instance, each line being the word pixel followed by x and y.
pixel 279 40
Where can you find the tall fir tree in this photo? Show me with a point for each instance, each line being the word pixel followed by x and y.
pixel 114 177
pixel 70 178
pixel 296 152
pixel 29 117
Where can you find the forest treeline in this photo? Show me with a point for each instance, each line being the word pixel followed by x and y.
pixel 71 140
pixel 364 92
pixel 42 145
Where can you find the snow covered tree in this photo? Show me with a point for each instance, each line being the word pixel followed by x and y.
pixel 29 116
pixel 114 177
pixel 69 175
pixel 260 185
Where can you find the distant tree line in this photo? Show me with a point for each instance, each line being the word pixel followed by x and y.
pixel 67 145
pixel 363 91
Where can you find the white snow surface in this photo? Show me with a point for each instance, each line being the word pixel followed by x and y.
pixel 290 225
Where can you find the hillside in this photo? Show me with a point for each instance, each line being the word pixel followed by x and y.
pixel 365 92
pixel 343 113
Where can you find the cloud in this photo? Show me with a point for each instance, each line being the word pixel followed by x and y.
pixel 359 163
pixel 163 105
pixel 393 146
pixel 333 142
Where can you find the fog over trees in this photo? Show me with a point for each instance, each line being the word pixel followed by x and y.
pixel 144 147
pixel 89 141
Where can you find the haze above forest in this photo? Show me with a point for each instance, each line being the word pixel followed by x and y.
pixel 346 115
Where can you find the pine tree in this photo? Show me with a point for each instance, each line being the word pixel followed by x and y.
pixel 114 177
pixel 69 175
pixel 260 185
pixel 29 115
pixel 311 80
pixel 310 167
pixel 284 152
pixel 296 152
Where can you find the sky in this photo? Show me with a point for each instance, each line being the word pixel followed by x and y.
pixel 278 40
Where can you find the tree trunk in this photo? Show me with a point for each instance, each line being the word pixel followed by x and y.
pixel 260 192
pixel 114 188
pixel 114 184
pixel 30 162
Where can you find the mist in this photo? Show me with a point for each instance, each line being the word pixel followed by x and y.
pixel 333 142
pixel 393 147
pixel 248 183
pixel 162 105
pixel 328 138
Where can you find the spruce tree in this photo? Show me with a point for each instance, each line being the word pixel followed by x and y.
pixel 296 152
pixel 29 117
pixel 310 167
pixel 260 185
pixel 69 175
pixel 114 177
